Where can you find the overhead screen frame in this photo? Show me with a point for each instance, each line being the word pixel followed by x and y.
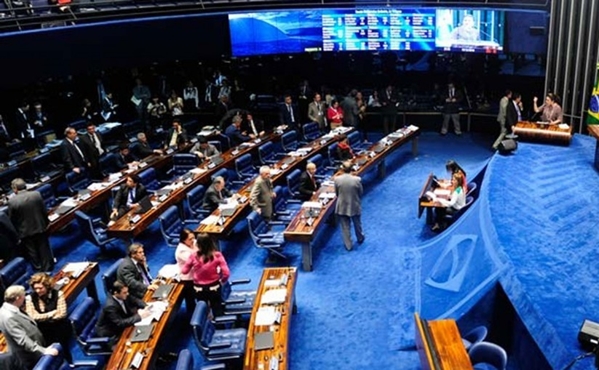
pixel 271 32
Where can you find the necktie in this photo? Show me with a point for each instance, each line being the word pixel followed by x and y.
pixel 93 138
pixel 131 196
pixel 253 127
pixel 79 151
pixel 313 182
pixel 290 109
pixel 124 307
pixel 144 274
pixel 3 129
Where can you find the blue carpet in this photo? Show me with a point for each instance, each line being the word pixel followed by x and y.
pixel 356 308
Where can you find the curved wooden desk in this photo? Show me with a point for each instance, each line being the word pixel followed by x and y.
pixel 546 133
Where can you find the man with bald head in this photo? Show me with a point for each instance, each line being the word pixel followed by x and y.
pixel 262 194
pixel 308 183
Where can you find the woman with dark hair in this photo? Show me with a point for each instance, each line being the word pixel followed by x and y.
pixel 185 249
pixel 551 111
pixel 453 167
pixel 456 202
pixel 48 308
pixel 208 269
pixel 344 150
pixel 335 115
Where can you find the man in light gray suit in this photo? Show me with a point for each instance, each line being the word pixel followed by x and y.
pixel 317 112
pixel 262 194
pixel 501 117
pixel 349 204
pixel 24 339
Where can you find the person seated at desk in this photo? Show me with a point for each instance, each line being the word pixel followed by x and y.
pixel 128 196
pixel 142 148
pixel 203 149
pixel 344 150
pixel 175 136
pixel 216 194
pixel 120 311
pixel 209 270
pixel 235 134
pixel 253 127
pixel 308 183
pixel 454 168
pixel 123 159
pixel 47 306
pixel 135 273
pixel 551 111
pixel 456 202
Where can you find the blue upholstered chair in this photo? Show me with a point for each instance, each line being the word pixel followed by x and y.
pixel 354 141
pixel 449 218
pixel 321 168
pixel 474 336
pixel 281 204
pixel 45 165
pixel 262 235
pixel 216 344
pixel 171 225
pixel 183 163
pixel 225 142
pixel 237 302
pixel 230 183
pixel 334 160
pixel 244 167
pixel 48 362
pixel 311 131
pixel 267 154
pixel 109 276
pixel 47 193
pixel 77 181
pixel 149 179
pixel 289 141
pixel 16 272
pixel 185 362
pixel 486 353
pixel 293 183
pixel 471 189
pixel 83 320
pixel 195 199
pixel 93 230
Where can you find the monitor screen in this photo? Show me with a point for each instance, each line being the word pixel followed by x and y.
pixel 427 29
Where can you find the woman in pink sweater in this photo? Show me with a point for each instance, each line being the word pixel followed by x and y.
pixel 208 269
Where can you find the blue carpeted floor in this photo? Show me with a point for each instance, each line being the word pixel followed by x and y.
pixel 532 228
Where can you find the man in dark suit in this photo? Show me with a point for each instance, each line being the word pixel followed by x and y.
pixel 73 152
pixel 29 215
pixel 9 238
pixel 254 128
pixel 120 311
pixel 234 132
pixel 23 128
pixel 348 208
pixel 142 148
pixel 121 160
pixel 93 149
pixel 451 109
pixel 5 134
pixel 513 112
pixel 134 272
pixel 262 194
pixel 222 107
pixel 388 100
pixel 175 135
pixel 128 196
pixel 216 194
pixel 308 183
pixel 25 341
pixel 288 113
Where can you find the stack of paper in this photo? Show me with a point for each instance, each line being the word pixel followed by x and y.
pixel 69 202
pixel 326 195
pixel 266 316
pixel 94 186
pixel 442 192
pixel 274 296
pixel 157 308
pixel 210 220
pixel 169 271
pixel 198 170
pixel 75 268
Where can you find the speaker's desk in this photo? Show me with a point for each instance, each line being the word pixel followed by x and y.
pixel 425 202
pixel 541 132
pixel 440 345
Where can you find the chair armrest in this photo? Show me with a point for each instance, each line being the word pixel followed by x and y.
pixel 283 213
pixel 224 319
pixel 238 182
pixel 276 223
pixel 240 281
pixel 87 363
pixel 98 340
pixel 191 221
pixel 267 235
pixel 220 366
pixel 219 345
pixel 234 301
pixel 297 201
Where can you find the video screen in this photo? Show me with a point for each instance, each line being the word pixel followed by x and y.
pixel 427 29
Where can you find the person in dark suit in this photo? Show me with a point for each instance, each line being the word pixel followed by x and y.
pixel 142 149
pixel 127 197
pixel 120 311
pixel 222 107
pixel 288 113
pixel 91 143
pixel 134 272
pixel 24 339
pixel 9 238
pixel 452 99
pixel 108 107
pixel 348 208
pixel 122 159
pixel 28 214
pixel 388 100
pixel 175 135
pixel 254 128
pixel 22 126
pixel 308 183
pixel 513 112
pixel 234 132
pixel 5 134
pixel 262 194
pixel 73 152
pixel 216 194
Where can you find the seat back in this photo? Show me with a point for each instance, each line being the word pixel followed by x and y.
pixel 293 182
pixel 86 225
pixel 83 320
pixel 109 276
pixel 171 225
pixel 280 201
pixel 6 177
pixel 256 226
pixel 311 131
pixel 185 361
pixel 15 272
pixel 15 149
pixel 149 179
pixel 332 154
pixel 77 181
pixel 201 327
pixel 48 362
pixel 183 163
pixel 266 153
pixel 222 172
pixel 289 141
pixel 488 353
pixel 243 166
pixel 217 144
pixel 47 195
pixel 225 142
pixel 474 336
pixel 42 164
pixel 472 186
pixel 354 139
pixel 318 160
pixel 195 199
pixel 108 163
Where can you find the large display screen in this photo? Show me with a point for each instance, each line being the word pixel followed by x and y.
pixel 298 31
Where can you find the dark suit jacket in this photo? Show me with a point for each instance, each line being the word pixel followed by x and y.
pixel 452 107
pixel 142 150
pixel 169 135
pixel 28 213
pixel 89 149
pixel 71 157
pixel 129 274
pixel 212 199
pixel 307 186
pixel 113 320
pixel 20 125
pixel 116 162
pixel 285 116
pixel 120 199
pixel 388 103
pixel 511 115
pixel 235 135
pixel 9 238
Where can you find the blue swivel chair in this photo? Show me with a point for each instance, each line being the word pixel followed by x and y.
pixel 183 163
pixel 321 168
pixel 237 302
pixel 45 165
pixel 185 362
pixel 486 353
pixel 472 186
pixel 109 276
pixel 311 131
pixel 334 160
pixel 48 362
pixel 93 230
pixel 77 181
pixel 293 183
pixel 83 321
pixel 245 168
pixel 16 272
pixel 267 154
pixel 216 344
pixel 281 204
pixel 149 179
pixel 262 235
pixel 195 199
pixel 48 196
pixel 171 225
pixel 449 218
pixel 289 141
pixel 474 336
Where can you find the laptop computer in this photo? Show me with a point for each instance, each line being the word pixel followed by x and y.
pixel 263 340
pixel 228 212
pixel 144 205
pixel 163 291
pixel 61 210
pixel 141 333
pixel 361 161
pixel 378 148
pixel 216 159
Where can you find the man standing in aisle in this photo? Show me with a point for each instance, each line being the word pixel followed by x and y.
pixel 348 209
pixel 503 104
pixel 262 194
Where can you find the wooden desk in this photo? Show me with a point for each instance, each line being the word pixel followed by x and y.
pixel 280 170
pixel 440 346
pixel 71 290
pixel 304 230
pixel 424 202
pixel 552 134
pixel 124 350
pixel 254 359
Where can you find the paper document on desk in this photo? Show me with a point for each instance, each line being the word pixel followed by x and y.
pixel 198 170
pixel 563 126
pixel 442 192
pixel 169 271
pixel 75 268
pixel 431 195
pixel 210 220
pixel 274 296
pixel 114 176
pixel 328 183
pixel 275 171
pixel 95 186
pixel 326 195
pixel 157 308
pixel 69 202
pixel 266 316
